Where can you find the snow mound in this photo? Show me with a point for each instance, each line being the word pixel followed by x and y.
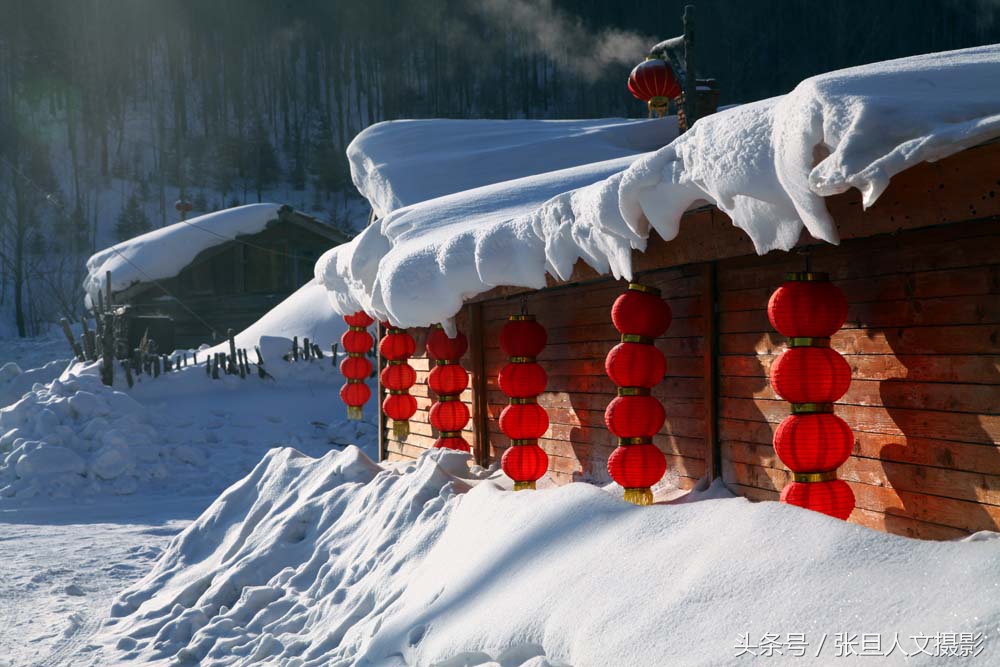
pixel 163 252
pixel 399 163
pixel 337 562
pixel 768 165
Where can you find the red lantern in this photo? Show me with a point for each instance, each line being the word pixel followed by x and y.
pixel 399 406
pixel 813 442
pixel 804 307
pixel 356 341
pixel 522 336
pixel 441 347
pixel 452 442
pixel 639 312
pixel 810 375
pixel 449 415
pixel 634 415
pixel 833 497
pixel 397 345
pixel 637 466
pixel 398 376
pixel 448 380
pixel 635 365
pixel 525 463
pixel 524 421
pixel 654 82
pixel 355 367
pixel 522 380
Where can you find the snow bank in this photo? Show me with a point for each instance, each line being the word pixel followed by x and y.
pixel 399 163
pixel 768 165
pixel 337 562
pixel 163 252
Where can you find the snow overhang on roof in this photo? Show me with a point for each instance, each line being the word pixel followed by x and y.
pixel 768 165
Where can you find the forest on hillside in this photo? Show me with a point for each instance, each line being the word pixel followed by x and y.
pixel 112 109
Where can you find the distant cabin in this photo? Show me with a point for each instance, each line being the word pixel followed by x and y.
pixel 229 285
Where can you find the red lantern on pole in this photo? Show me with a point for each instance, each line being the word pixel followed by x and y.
pixel 356 342
pixel 523 420
pixel 654 82
pixel 397 377
pixel 812 442
pixel 640 315
pixel 449 415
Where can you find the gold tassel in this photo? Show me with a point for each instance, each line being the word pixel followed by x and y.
pixel 400 428
pixel 523 486
pixel 641 496
pixel 354 412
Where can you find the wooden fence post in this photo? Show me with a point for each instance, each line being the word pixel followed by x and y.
pixel 77 350
pixel 108 350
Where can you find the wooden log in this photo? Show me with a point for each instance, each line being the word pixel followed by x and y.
pixel 333 352
pixel 108 351
pixel 231 366
pixel 317 351
pixel 306 349
pixel 75 346
pixel 241 364
pixel 215 367
pixel 295 348
pixel 89 349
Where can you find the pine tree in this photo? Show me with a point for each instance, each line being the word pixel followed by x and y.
pixel 132 219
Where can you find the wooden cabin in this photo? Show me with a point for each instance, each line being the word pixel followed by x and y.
pixel 921 271
pixel 229 285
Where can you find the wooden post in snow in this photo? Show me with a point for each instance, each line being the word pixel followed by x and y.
pixel 108 350
pixel 77 350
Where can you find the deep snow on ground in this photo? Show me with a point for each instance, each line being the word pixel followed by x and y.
pixel 339 562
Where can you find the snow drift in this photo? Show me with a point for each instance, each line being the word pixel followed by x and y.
pixel 338 562
pixel 768 165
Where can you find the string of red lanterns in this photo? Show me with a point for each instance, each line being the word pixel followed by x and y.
pixel 397 346
pixel 653 81
pixel 813 442
pixel 448 380
pixel 356 368
pixel 635 416
pixel 523 420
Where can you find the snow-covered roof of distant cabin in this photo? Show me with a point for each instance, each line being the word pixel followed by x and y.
pixel 162 253
pixel 768 165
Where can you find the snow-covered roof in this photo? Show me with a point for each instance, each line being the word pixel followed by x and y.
pixel 768 165
pixel 399 163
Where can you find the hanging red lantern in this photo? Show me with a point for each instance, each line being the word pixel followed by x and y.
pixel 635 365
pixel 522 380
pixel 640 315
pixel 807 308
pixel 812 442
pixel 397 377
pixel 450 415
pixel 829 496
pixel 654 82
pixel 453 440
pixel 356 342
pixel 448 379
pixel 525 462
pixel 810 375
pixel 523 420
pixel 441 347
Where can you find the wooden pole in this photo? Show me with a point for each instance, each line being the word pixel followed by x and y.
pixel 690 74
pixel 295 348
pixel 89 347
pixel 77 350
pixel 108 351
pixel 383 441
pixel 232 350
pixel 710 367
pixel 477 361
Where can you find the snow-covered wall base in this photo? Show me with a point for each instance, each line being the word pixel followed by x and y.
pixel 336 561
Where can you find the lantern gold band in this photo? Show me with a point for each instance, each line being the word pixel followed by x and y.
pixel 658 102
pixel 522 360
pixel 807 276
pixel 808 341
pixel 639 287
pixel 398 392
pixel 355 355
pixel 358 328
pixel 811 408
pixel 396 362
pixel 523 442
pixel 523 401
pixel 809 477
pixel 524 486
pixel 636 338
pixel 447 398
pixel 450 434
pixel 628 442
pixel 445 362
pixel 394 330
pixel 355 381
pixel 524 317
pixel 633 391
